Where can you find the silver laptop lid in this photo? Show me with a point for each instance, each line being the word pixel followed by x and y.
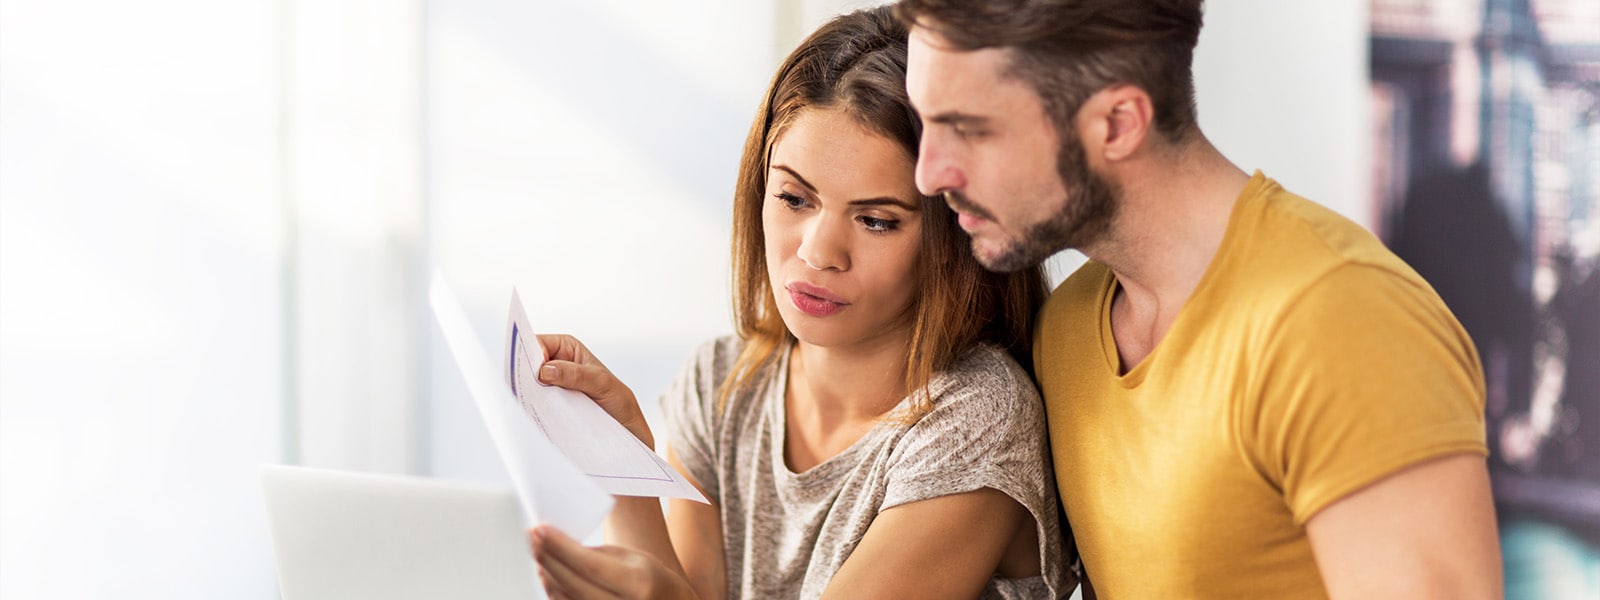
pixel 354 535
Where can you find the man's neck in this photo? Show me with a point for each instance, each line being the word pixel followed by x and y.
pixel 1174 214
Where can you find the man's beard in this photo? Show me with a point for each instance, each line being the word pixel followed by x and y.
pixel 1082 219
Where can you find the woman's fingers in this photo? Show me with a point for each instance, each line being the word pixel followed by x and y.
pixel 583 373
pixel 552 587
pixel 578 571
pixel 564 581
pixel 572 570
pixel 592 379
pixel 560 346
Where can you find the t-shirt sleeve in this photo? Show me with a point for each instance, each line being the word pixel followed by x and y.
pixel 1366 373
pixel 689 408
pixel 985 431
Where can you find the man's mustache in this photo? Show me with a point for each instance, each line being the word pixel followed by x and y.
pixel 958 202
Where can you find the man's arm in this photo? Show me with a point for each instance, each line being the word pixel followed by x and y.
pixel 1427 531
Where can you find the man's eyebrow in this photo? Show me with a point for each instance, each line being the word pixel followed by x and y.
pixel 958 118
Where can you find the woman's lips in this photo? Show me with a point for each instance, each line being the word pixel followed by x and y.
pixel 815 301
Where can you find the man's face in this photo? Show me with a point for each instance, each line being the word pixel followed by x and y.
pixel 1023 192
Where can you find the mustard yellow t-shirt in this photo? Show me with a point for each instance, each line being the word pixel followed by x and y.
pixel 1309 362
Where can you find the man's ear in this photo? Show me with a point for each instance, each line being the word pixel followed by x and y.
pixel 1114 122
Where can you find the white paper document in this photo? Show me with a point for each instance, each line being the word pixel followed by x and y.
pixel 552 489
pixel 600 446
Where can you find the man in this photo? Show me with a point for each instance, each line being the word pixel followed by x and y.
pixel 1248 395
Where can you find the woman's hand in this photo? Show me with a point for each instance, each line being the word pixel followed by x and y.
pixel 571 570
pixel 568 364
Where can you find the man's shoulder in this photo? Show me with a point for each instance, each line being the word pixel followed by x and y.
pixel 1308 238
pixel 1312 285
pixel 1078 294
pixel 1282 247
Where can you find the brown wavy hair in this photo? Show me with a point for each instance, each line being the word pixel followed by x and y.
pixel 857 63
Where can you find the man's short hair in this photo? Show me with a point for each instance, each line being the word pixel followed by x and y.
pixel 1068 50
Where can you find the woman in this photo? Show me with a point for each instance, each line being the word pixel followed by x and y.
pixel 867 431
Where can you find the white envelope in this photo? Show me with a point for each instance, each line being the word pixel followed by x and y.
pixel 551 489
pixel 600 446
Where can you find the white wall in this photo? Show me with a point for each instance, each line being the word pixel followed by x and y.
pixel 586 152
pixel 1282 87
pixel 140 379
pixel 210 218
pixel 353 151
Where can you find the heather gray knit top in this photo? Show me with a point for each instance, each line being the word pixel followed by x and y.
pixel 785 534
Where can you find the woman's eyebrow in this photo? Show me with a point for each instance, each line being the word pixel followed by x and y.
pixel 878 201
pixel 797 177
pixel 886 200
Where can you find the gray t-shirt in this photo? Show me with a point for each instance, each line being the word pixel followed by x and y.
pixel 785 534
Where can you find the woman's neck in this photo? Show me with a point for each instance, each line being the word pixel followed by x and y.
pixel 849 384
pixel 836 395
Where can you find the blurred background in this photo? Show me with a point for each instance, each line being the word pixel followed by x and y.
pixel 217 220
pixel 1486 160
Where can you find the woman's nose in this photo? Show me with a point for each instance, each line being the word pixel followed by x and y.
pixel 823 246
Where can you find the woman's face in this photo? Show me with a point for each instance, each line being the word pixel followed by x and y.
pixel 843 224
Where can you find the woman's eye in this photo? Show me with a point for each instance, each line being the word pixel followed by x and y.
pixel 877 224
pixel 790 200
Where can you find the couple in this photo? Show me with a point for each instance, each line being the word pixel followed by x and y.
pixel 1245 394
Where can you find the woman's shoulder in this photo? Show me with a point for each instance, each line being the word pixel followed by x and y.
pixel 708 370
pixel 985 370
pixel 711 361
pixel 705 369
pixel 987 380
pixel 985 429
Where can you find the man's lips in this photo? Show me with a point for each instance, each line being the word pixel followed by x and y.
pixel 968 215
pixel 969 222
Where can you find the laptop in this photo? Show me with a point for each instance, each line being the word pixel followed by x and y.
pixel 356 535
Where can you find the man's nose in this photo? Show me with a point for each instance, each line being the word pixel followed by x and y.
pixel 937 170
